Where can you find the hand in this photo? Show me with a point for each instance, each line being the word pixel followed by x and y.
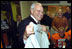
pixel 44 28
pixel 55 28
pixel 30 29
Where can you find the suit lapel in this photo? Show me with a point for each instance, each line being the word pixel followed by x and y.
pixel 32 20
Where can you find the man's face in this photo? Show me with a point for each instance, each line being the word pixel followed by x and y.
pixel 61 33
pixel 68 9
pixel 60 13
pixel 37 12
pixel 19 18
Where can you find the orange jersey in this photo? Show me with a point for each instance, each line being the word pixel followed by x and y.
pixel 56 36
pixel 60 22
pixel 58 40
pixel 69 32
pixel 48 35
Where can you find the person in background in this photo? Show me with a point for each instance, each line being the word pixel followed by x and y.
pixel 60 39
pixel 15 31
pixel 60 21
pixel 5 28
pixel 19 19
pixel 67 14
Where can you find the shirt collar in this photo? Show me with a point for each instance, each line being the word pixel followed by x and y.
pixel 34 18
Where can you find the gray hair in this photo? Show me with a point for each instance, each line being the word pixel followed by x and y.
pixel 33 5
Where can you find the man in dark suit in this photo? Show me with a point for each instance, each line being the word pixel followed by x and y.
pixel 35 17
pixel 14 31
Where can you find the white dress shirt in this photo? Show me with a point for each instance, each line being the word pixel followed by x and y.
pixel 18 23
pixel 34 18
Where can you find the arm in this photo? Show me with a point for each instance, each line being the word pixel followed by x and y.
pixel 55 28
pixel 66 23
pixel 28 31
pixel 44 28
pixel 66 28
pixel 53 25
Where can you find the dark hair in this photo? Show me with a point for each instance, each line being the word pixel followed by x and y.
pixel 18 15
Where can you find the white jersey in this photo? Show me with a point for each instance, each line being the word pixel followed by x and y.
pixel 37 40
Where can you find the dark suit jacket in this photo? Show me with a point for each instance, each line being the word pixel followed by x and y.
pixel 14 36
pixel 21 29
pixel 46 21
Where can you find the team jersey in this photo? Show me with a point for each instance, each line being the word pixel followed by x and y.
pixel 59 42
pixel 69 32
pixel 48 35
